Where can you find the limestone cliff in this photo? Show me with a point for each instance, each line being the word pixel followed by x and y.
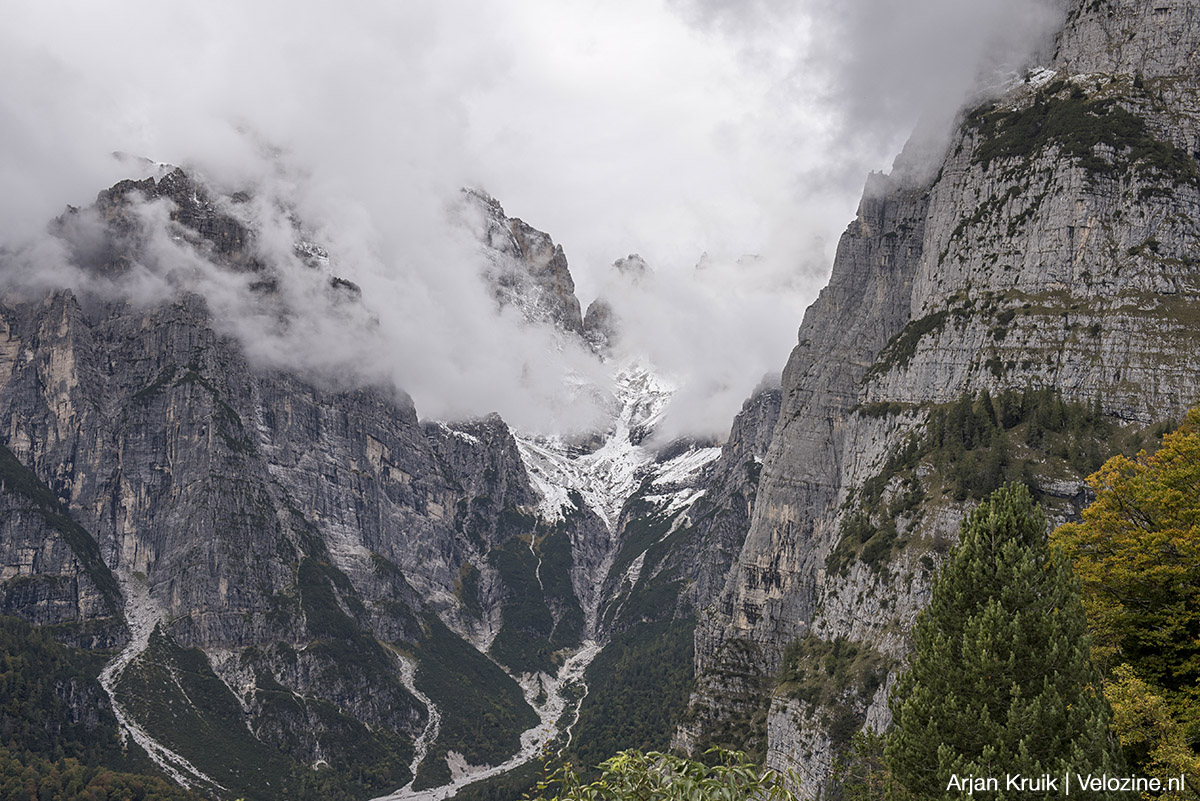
pixel 1054 247
pixel 528 270
pixel 264 551
pixel 336 564
pixel 271 551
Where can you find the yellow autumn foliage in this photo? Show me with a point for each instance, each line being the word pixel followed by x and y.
pixel 1137 554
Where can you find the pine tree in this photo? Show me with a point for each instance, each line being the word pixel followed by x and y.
pixel 1000 679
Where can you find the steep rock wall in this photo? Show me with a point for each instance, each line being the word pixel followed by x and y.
pixel 1055 247
pixel 294 531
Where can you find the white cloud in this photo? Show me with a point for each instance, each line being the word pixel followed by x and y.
pixel 665 128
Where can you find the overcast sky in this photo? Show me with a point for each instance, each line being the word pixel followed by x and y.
pixel 669 128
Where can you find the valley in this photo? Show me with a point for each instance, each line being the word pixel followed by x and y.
pixel 272 577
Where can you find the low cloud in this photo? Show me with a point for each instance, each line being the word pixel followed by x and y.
pixel 668 129
pixel 872 69
pixel 717 330
pixel 435 334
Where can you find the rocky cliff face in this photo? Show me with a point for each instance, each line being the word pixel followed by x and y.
pixel 528 270
pixel 769 597
pixel 160 491
pixel 265 550
pixel 1052 248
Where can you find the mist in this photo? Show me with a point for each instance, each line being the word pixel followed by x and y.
pixel 696 131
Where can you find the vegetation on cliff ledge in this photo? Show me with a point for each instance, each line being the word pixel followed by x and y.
pixel 965 450
pixel 1098 133
pixel 839 676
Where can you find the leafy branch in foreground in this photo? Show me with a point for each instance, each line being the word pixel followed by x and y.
pixel 653 776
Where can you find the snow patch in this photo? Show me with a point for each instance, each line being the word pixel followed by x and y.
pixel 684 466
pixel 463 435
pixel 607 477
pixel 634 571
pixel 675 501
pixel 1040 76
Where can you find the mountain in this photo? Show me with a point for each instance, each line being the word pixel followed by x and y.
pixel 1047 260
pixel 277 582
pixel 527 270
pixel 349 589
pixel 264 535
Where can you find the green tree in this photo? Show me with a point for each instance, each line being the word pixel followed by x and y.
pixel 651 776
pixel 1000 679
pixel 861 772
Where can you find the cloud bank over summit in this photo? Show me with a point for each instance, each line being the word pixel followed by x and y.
pixel 671 129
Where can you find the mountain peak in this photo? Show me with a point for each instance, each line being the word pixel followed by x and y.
pixel 527 270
